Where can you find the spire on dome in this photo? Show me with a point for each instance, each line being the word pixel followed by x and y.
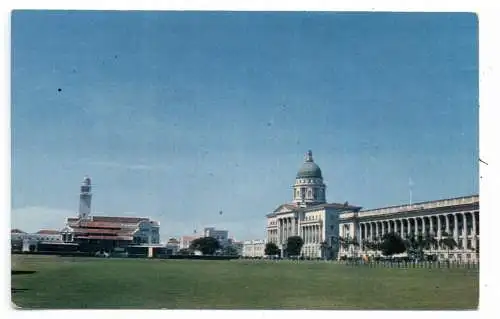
pixel 309 156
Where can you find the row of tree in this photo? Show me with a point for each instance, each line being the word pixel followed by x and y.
pixel 389 244
pixel 208 246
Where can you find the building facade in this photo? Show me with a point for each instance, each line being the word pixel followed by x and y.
pixel 308 215
pixel 322 225
pixel 456 217
pixel 185 241
pixel 253 248
pixel 173 246
pixel 22 241
pixel 108 233
pixel 222 236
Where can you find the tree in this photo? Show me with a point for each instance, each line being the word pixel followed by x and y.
pixel 184 251
pixel 348 242
pixel 448 242
pixel 271 249
pixel 324 248
pixel 294 245
pixel 207 245
pixel 392 244
pixel 230 251
pixel 373 244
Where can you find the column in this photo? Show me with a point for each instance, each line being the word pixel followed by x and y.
pixel 283 229
pixel 474 235
pixel 297 225
pixel 313 233
pixel 455 228
pixel 438 227
pixel 447 225
pixel 377 233
pixel 405 233
pixel 320 232
pixel 278 230
pixel 287 228
pixel 389 227
pixel 431 227
pixel 424 232
pixel 464 231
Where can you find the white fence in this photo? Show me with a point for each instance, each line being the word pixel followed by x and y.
pixel 412 264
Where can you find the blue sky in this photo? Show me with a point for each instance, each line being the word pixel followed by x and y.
pixel 179 115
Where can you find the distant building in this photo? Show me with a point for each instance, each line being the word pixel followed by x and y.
pixel 108 233
pixel 238 245
pixel 253 248
pixel 221 235
pixel 49 235
pixel 308 215
pixel 185 241
pixel 22 241
pixel 458 218
pixel 173 246
pixel 321 225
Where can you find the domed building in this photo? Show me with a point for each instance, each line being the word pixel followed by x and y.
pixel 320 224
pixel 308 215
pixel 309 189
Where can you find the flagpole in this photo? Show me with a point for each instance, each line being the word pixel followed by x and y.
pixel 410 184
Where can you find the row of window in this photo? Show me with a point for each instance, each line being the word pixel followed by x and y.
pixel 310 181
pixel 315 193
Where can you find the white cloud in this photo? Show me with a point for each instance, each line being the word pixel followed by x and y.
pixel 34 218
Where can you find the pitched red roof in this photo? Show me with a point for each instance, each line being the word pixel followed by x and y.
pixel 93 224
pixel 95 231
pixel 48 232
pixel 123 220
pixel 129 238
pixel 103 231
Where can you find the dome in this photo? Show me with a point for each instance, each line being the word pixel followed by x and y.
pixel 309 169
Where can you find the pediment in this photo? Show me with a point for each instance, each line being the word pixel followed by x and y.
pixel 67 229
pixel 285 208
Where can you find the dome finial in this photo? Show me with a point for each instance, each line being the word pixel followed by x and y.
pixel 309 156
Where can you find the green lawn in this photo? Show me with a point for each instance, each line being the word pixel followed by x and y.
pixel 193 284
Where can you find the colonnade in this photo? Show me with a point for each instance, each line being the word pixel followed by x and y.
pixel 462 226
pixel 310 232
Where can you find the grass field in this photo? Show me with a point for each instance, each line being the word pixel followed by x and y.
pixel 194 284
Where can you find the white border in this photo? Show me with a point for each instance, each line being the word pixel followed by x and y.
pixel 489 83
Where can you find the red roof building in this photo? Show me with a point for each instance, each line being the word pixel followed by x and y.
pixel 48 232
pixel 109 232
